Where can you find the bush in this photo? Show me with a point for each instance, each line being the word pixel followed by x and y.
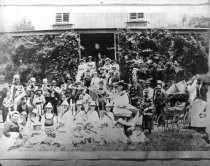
pixel 164 55
pixel 43 56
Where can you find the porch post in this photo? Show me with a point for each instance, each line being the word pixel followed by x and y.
pixel 79 47
pixel 115 47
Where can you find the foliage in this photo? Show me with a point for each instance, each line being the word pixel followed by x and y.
pixel 162 55
pixel 44 56
pixel 23 25
pixel 199 22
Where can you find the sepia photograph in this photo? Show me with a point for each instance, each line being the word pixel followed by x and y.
pixel 104 82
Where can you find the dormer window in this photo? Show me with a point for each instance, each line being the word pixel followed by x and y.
pixel 62 17
pixel 136 16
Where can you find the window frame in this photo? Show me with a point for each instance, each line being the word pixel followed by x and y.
pixel 62 17
pixel 136 16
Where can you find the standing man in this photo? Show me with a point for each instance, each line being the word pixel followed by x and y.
pixel 159 98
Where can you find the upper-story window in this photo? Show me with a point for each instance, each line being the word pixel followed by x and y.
pixel 62 17
pixel 136 16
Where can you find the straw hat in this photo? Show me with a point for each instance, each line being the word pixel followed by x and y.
pixel 23 113
pixel 65 103
pixel 109 104
pixel 79 102
pixel 44 80
pixel 49 105
pixel 92 103
pixel 33 79
pixel 107 59
pixel 15 112
pixel 16 76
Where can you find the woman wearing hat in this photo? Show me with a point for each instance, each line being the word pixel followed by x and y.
pixel 39 101
pixel 95 80
pixel 16 88
pixel 11 131
pixel 80 114
pixel 92 115
pixel 64 115
pixel 121 101
pixel 107 65
pixel 49 121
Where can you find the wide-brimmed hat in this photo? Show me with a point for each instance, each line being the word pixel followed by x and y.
pixel 23 113
pixel 16 76
pixel 109 104
pixel 33 79
pixel 107 59
pixel 90 57
pixel 15 112
pixel 54 82
pixel 79 102
pixel 124 85
pixel 45 80
pixel 92 103
pixel 160 82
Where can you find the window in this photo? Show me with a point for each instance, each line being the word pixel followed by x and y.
pixel 58 17
pixel 65 17
pixel 62 17
pixel 136 16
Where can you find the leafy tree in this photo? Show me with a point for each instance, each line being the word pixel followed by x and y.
pixel 44 56
pixel 23 25
pixel 199 22
pixel 163 55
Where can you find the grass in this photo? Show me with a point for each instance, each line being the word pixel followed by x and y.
pixel 188 140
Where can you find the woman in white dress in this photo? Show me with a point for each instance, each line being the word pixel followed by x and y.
pixel 121 101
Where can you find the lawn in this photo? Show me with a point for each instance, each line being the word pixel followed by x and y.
pixel 188 140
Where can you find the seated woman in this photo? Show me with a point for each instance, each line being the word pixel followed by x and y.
pixel 92 115
pixel 49 121
pixel 11 131
pixel 121 101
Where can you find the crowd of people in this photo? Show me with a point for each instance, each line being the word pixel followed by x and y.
pixel 97 107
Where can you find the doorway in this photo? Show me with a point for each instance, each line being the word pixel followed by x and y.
pixel 97 42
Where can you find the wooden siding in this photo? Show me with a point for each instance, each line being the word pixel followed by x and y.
pixel 113 20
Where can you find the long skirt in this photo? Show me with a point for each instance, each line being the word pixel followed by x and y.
pixel 4 113
pixel 7 142
pixel 147 122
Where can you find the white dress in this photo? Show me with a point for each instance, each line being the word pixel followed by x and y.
pixel 121 104
pixel 197 112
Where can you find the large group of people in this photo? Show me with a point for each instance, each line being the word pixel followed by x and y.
pixel 97 107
